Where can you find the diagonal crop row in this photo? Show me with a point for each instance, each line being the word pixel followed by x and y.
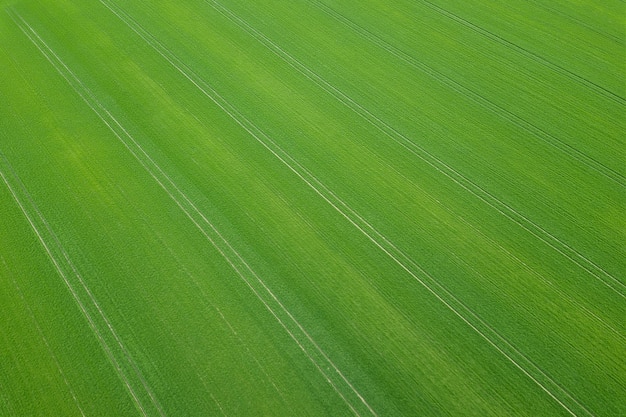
pixel 501 207
pixel 104 332
pixel 311 349
pixel 527 53
pixel 40 332
pixel 477 98
pixel 518 359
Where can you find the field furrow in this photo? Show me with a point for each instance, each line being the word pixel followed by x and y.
pixel 314 207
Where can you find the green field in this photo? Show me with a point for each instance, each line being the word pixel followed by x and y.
pixel 312 207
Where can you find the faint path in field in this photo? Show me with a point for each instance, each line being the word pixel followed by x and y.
pixel 494 243
pixel 31 314
pixel 484 330
pixel 64 71
pixel 206 300
pixel 241 267
pixel 33 317
pixel 546 6
pixel 527 53
pixel 440 166
pixel 296 331
pixel 477 98
pixel 62 263
pixel 502 249
pixel 219 406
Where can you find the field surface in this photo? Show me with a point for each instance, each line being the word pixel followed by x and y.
pixel 312 207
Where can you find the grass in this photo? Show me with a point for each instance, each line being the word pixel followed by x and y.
pixel 312 208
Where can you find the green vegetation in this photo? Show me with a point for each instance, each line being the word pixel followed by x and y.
pixel 312 207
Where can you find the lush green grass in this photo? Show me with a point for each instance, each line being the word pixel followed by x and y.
pixel 312 208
